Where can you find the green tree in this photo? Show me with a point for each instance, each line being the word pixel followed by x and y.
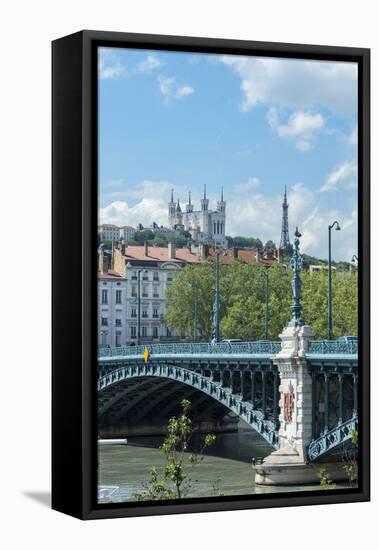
pixel 175 481
pixel 191 290
pixel 325 481
pixel 344 302
pixel 350 458
pixel 243 298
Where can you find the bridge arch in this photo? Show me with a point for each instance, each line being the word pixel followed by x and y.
pixel 213 389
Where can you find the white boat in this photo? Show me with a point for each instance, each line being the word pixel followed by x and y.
pixel 112 441
pixel 108 493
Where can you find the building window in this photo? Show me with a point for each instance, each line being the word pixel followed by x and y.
pixel 155 312
pixel 104 296
pixel 156 277
pixel 155 332
pixel 145 277
pixel 104 322
pixel 133 332
pixel 118 323
pixel 155 295
pixel 144 332
pixel 168 332
pixel 144 313
pixel 144 291
pixel 104 338
pixel 134 312
pixel 118 296
pixel 134 291
pixel 118 339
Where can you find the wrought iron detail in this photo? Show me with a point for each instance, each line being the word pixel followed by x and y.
pixel 255 418
pixel 332 347
pixel 335 437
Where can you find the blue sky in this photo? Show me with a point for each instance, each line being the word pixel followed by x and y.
pixel 252 125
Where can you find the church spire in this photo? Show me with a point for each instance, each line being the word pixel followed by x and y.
pixel 172 195
pixel 189 197
pixel 204 201
pixel 222 193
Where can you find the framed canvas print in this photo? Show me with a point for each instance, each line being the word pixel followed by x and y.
pixel 210 274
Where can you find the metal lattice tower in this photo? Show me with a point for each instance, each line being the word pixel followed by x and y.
pixel 284 238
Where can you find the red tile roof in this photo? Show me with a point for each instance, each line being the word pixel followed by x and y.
pixel 160 254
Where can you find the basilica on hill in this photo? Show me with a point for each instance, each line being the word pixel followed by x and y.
pixel 204 225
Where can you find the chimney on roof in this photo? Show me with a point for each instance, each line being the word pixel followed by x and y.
pixel 171 251
pixel 146 248
pixel 235 252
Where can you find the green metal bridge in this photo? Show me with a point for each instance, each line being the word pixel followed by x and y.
pixel 223 377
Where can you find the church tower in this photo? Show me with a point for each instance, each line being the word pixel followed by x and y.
pixel 204 201
pixel 172 210
pixel 179 215
pixel 284 238
pixel 221 203
pixel 189 206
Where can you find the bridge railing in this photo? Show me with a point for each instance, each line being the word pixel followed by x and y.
pixel 257 348
pixel 333 347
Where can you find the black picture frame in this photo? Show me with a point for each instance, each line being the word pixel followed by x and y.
pixel 74 206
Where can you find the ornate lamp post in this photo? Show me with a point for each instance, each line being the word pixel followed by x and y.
pixel 296 265
pixel 196 290
pixel 265 275
pixel 216 305
pixel 330 318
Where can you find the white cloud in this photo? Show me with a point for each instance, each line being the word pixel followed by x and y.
pixel 149 64
pixel 170 90
pixel 184 90
pixel 148 210
pixel 259 215
pixel 250 185
pixel 109 65
pixel 149 202
pixel 301 127
pixel 344 175
pixel 353 137
pixel 296 84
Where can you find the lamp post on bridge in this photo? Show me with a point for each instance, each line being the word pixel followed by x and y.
pixel 265 275
pixel 196 290
pixel 330 314
pixel 296 265
pixel 216 305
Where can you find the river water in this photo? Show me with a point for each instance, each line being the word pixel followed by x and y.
pixel 226 468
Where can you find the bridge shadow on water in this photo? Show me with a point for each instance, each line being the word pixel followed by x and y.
pixel 241 446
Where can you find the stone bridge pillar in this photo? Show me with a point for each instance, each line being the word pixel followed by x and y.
pixel 295 417
pixel 288 465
